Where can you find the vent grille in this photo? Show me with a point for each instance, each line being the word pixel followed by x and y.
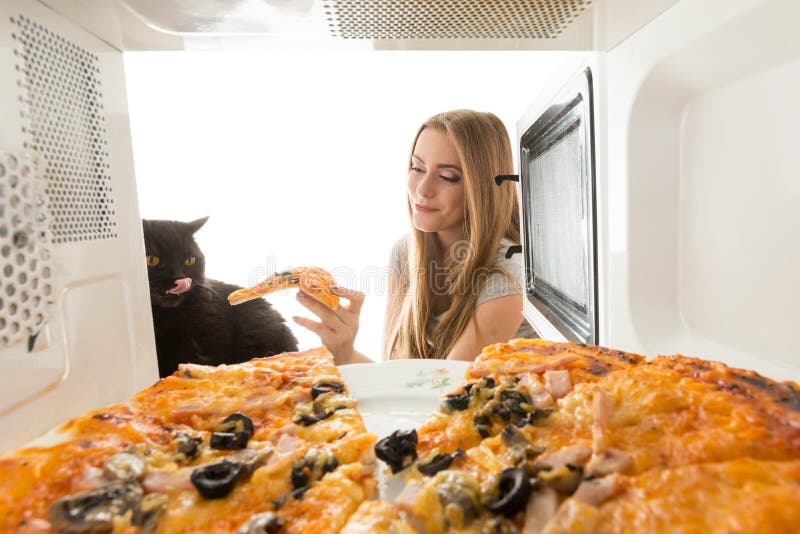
pixel 25 258
pixel 62 104
pixel 451 19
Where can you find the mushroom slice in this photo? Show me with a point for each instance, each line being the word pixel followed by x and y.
pixel 95 510
pixel 460 496
pixel 312 467
pixel 565 478
pixel 124 466
pixel 263 523
pixel 149 512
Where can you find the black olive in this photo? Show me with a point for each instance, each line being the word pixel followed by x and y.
pixel 398 450
pixel 509 407
pixel 307 414
pixel 263 523
pixel 455 402
pixel 312 467
pixel 513 490
pixel 229 441
pixel 95 510
pixel 514 396
pixel 499 525
pixel 236 422
pixel 537 414
pixel 215 481
pixel 188 445
pixel 440 462
pixel 482 425
pixel 296 494
pixel 488 382
pixel 326 387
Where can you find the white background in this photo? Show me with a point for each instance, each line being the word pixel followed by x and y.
pixel 300 157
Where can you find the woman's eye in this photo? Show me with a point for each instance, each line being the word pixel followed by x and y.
pixel 417 170
pixel 190 261
pixel 152 261
pixel 451 179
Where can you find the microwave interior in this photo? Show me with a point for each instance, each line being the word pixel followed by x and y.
pixel 655 219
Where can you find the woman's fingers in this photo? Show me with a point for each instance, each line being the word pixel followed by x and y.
pixel 316 327
pixel 356 298
pixel 328 316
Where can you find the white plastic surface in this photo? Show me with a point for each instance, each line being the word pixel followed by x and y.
pixel 703 186
pixel 97 347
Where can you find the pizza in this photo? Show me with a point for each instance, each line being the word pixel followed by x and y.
pixel 540 437
pixel 315 281
pixel 560 437
pixel 273 444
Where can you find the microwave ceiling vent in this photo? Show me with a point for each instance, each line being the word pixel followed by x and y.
pixel 61 98
pixel 451 19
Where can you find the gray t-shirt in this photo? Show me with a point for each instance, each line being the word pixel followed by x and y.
pixel 492 285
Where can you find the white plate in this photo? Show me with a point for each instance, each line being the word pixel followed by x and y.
pixel 399 395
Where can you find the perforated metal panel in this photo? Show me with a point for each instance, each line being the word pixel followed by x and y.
pixel 25 257
pixel 61 98
pixel 451 19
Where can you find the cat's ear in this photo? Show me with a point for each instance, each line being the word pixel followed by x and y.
pixel 194 226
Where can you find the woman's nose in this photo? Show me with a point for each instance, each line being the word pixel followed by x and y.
pixel 425 187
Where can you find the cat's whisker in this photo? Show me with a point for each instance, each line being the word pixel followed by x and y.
pixel 200 284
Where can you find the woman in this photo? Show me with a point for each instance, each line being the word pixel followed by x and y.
pixel 451 290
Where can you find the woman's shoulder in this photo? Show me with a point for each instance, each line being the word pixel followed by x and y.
pixel 399 253
pixel 506 277
pixel 511 265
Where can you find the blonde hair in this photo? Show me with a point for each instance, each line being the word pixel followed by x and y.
pixel 490 214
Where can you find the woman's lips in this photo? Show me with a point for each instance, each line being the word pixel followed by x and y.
pixel 423 209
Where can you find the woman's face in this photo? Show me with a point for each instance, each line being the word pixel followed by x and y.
pixel 436 184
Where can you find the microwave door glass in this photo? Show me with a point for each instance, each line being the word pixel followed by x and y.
pixel 559 259
pixel 557 181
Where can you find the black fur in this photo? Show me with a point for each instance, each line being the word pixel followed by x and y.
pixel 199 326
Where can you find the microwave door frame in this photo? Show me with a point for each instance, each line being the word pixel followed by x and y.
pixel 558 121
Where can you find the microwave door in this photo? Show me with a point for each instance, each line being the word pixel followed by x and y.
pixel 558 204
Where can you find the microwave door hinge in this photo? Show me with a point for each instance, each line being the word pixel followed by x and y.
pixel 500 178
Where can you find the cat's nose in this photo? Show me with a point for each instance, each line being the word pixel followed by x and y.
pixel 182 285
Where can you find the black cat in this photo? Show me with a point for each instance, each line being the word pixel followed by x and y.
pixel 192 318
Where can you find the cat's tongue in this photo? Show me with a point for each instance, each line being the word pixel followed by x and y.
pixel 181 286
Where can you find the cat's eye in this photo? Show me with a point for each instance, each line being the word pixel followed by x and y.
pixel 152 261
pixel 190 261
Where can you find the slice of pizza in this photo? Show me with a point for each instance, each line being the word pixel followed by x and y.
pixel 265 446
pixel 315 281
pixel 547 437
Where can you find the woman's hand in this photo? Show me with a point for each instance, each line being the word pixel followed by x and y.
pixel 338 328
